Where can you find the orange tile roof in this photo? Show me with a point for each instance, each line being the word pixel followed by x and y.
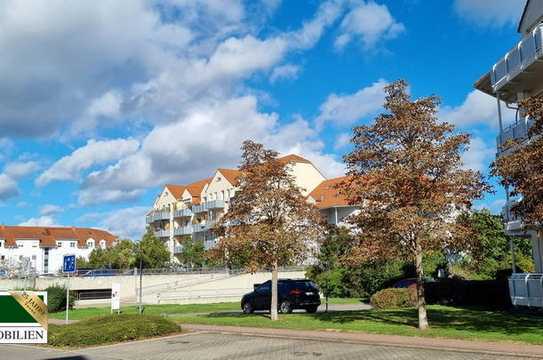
pixel 293 158
pixel 176 190
pixel 195 189
pixel 326 194
pixel 232 175
pixel 48 236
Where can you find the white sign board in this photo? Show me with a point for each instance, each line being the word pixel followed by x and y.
pixel 115 297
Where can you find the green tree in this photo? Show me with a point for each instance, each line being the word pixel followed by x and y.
pixel 494 251
pixel 152 251
pixel 193 254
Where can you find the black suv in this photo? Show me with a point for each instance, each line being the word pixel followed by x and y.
pixel 293 294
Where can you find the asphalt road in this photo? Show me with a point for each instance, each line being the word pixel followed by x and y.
pixel 219 346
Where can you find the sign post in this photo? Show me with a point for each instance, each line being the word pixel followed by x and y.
pixel 115 298
pixel 68 267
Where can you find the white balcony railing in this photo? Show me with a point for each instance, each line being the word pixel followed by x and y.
pixel 526 289
pixel 157 216
pixel 162 233
pixel 517 131
pixel 527 52
pixel 184 230
pixel 208 205
pixel 182 213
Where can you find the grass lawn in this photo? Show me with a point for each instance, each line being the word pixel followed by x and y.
pixel 110 329
pixel 85 313
pixel 446 322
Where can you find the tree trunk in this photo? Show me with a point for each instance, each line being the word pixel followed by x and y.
pixel 421 301
pixel 273 310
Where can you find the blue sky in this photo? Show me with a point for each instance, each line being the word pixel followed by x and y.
pixel 103 102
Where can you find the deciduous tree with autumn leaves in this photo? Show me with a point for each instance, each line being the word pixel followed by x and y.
pixel 269 222
pixel 405 171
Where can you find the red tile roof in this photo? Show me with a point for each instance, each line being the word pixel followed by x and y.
pixel 327 195
pixel 293 158
pixel 176 190
pixel 48 236
pixel 232 175
pixel 195 189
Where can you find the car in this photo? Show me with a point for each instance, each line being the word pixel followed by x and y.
pixel 292 294
pixel 405 283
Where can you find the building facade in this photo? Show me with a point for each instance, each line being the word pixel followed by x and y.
pixel 191 211
pixel 517 76
pixel 41 249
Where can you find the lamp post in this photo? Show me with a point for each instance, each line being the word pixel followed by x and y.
pixel 140 307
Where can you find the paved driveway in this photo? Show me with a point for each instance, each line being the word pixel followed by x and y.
pixel 219 346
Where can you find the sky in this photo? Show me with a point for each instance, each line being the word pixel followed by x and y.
pixel 103 102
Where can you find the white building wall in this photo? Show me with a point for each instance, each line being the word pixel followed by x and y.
pixel 307 176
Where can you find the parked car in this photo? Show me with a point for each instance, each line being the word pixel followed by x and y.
pixel 292 294
pixel 405 283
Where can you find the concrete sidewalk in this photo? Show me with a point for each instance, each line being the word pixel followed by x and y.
pixel 496 348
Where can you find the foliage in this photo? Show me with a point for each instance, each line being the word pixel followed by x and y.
pixel 406 169
pixel 394 298
pixel 520 167
pixel 56 298
pixel 493 253
pixel 126 254
pixel 193 254
pixel 269 222
pixel 110 329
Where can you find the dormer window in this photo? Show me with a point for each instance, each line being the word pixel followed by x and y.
pixel 103 244
pixel 90 243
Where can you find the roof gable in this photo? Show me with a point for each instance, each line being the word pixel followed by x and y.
pixel 176 190
pixel 231 175
pixel 195 189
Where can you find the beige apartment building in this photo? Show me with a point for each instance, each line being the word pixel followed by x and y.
pixel 191 210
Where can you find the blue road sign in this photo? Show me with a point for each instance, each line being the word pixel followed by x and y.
pixel 68 264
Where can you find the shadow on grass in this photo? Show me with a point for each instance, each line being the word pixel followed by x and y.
pixel 440 317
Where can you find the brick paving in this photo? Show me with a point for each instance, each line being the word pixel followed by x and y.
pixel 225 346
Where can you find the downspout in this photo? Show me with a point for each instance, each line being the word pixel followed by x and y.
pixel 508 208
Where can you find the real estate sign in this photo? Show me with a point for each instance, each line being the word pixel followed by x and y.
pixel 23 317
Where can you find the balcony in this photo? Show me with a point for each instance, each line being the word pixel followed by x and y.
pixel 526 289
pixel 157 216
pixel 209 205
pixel 178 249
pixel 162 233
pixel 514 225
pixel 208 225
pixel 184 230
pixel 515 71
pixel 182 213
pixel 517 131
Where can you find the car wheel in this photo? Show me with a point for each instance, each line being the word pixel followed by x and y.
pixel 312 309
pixel 285 307
pixel 247 308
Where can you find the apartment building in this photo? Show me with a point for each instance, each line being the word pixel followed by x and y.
pixel 43 248
pixel 516 76
pixel 191 210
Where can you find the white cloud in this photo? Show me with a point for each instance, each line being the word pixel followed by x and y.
pixel 479 155
pixel 93 153
pixel 126 223
pixel 346 109
pixel 195 145
pixel 40 221
pixel 492 13
pixel 20 169
pixel 287 71
pixel 369 23
pixel 477 108
pixel 495 206
pixel 50 209
pixel 8 187
pixel 342 140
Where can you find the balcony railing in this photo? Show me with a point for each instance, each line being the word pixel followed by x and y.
pixel 182 213
pixel 162 233
pixel 526 53
pixel 208 205
pixel 526 289
pixel 517 131
pixel 184 230
pixel 157 215
pixel 208 225
pixel 178 249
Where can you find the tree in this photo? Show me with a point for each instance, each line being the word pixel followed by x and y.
pixel 151 251
pixel 269 223
pixel 193 254
pixel 406 172
pixel 520 166
pixel 493 253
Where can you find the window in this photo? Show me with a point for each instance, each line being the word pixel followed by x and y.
pixel 59 244
pixel 19 244
pixel 2 257
pixel 218 178
pixel 90 243
pixel 103 244
pixel 1 243
pixel 33 257
pixel 72 244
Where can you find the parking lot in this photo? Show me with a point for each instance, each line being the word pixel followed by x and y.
pixel 209 345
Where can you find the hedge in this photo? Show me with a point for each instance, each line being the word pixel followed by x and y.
pixel 394 298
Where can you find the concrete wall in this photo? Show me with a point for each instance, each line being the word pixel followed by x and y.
pixel 163 289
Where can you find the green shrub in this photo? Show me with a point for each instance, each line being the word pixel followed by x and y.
pixel 394 298
pixel 56 298
pixel 110 329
